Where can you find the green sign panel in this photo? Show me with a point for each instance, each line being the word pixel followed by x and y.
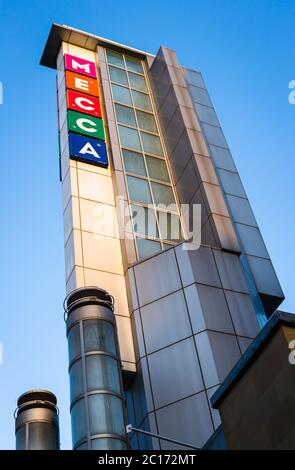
pixel 86 125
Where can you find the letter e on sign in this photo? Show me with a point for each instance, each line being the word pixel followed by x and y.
pixel 81 83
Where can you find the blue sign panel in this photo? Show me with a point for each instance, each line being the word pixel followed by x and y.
pixel 88 150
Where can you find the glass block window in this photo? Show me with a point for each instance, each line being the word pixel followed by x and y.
pixel 150 191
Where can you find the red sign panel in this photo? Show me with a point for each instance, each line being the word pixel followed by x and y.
pixel 83 103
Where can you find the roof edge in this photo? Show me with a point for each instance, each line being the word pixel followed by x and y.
pixel 77 37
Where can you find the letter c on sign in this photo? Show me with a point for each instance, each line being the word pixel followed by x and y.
pixel 79 101
pixel 86 125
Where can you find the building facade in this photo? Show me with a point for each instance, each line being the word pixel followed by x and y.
pixel 139 141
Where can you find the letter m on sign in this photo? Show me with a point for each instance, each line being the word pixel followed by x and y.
pixel 83 66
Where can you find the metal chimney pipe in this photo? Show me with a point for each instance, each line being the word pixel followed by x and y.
pixel 36 421
pixel 97 402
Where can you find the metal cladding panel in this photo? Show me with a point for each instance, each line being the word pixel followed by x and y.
pixel 189 309
pixel 192 168
pixel 243 222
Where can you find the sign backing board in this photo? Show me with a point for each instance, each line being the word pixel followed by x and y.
pixel 86 125
pixel 88 150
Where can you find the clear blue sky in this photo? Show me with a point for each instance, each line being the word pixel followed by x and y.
pixel 246 53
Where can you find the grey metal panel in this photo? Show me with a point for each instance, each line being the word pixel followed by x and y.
pixel 180 156
pixel 265 276
pixel 194 308
pixel 197 266
pixel 188 183
pixel 157 69
pixel 153 428
pixel 218 353
pixel 230 271
pixel 130 407
pixel 231 183
pixel 207 359
pixel 188 420
pixel 152 279
pixel 176 74
pixel 190 118
pixel 174 130
pixel 175 372
pixel 145 442
pixel 209 235
pixel 194 77
pixel 206 169
pixel 147 384
pixel 252 240
pixel 139 396
pixel 215 199
pixel 207 114
pixel 214 413
pixel 241 210
pixel 132 287
pixel 214 135
pixel 199 95
pixel 208 308
pixel 77 38
pixel 243 314
pixel 225 233
pixel 182 96
pixel 244 344
pixel 169 56
pixel 165 321
pixel 226 352
pixel 200 198
pixel 198 142
pixel 167 104
pixel 137 334
pixel 215 309
pixel 222 158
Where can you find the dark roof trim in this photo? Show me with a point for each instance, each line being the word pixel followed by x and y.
pixel 277 319
pixel 59 33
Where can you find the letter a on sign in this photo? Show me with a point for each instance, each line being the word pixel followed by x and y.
pixel 76 64
pixel 88 150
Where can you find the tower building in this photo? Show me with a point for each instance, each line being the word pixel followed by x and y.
pixel 155 214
